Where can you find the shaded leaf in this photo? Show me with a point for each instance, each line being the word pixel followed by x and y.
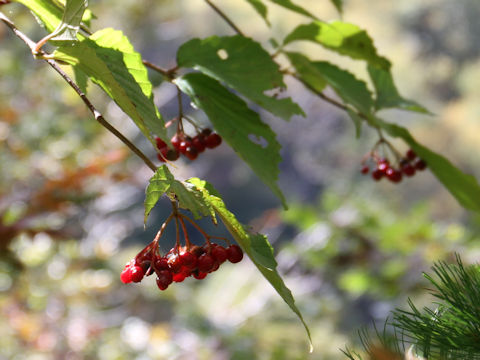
pixel 256 246
pixel 260 8
pixel 357 122
pixel 338 5
pixel 292 6
pixel 341 37
pixel 236 123
pixel 72 17
pixel 242 64
pixel 188 196
pixel 346 85
pixel 110 61
pixel 81 79
pixel 463 187
pixel 387 93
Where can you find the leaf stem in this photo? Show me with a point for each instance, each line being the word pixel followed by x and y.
pixel 39 54
pixel 224 17
pixel 168 74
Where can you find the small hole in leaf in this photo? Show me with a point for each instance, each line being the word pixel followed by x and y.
pixel 259 140
pixel 222 54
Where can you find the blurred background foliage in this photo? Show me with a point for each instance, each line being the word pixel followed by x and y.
pixel 351 250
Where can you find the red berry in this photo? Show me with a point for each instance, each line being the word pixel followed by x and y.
pixel 184 144
pixel 176 140
pixel 219 253
pixel 420 165
pixel 377 174
pixel 408 170
pixel 126 275
pixel 411 155
pixel 365 169
pixel 137 273
pixel 164 279
pixel 174 263
pixel 199 275
pixel 383 161
pixel 394 175
pixel 197 250
pixel 188 260
pixel 205 263
pixel 213 140
pixel 199 143
pixel 206 132
pixel 235 254
pixel 215 266
pixel 179 277
pixel 161 264
pixel 191 152
pixel 383 166
pixel 160 143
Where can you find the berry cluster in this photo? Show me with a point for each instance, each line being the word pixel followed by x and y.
pixel 407 165
pixel 181 261
pixel 186 145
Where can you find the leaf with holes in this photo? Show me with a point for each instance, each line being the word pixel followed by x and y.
pixel 110 61
pixel 256 246
pixel 188 197
pixel 341 37
pixel 346 85
pixel 465 188
pixel 224 58
pixel 235 122
pixel 387 93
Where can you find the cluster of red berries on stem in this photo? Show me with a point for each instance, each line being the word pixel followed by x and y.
pixel 188 146
pixel 407 165
pixel 181 261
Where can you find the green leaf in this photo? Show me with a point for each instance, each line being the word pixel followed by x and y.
pixel 110 61
pixel 387 93
pixel 463 187
pixel 292 6
pixel 81 79
pixel 341 37
pixel 346 85
pixel 236 123
pixel 256 246
pixel 47 11
pixel 338 5
pixel 188 196
pixel 242 64
pixel 260 8
pixel 357 122
pixel 72 17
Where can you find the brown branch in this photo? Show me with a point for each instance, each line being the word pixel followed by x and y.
pixel 97 115
pixel 169 74
pixel 224 17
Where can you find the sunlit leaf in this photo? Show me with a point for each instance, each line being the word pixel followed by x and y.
pixel 242 64
pixel 238 125
pixel 72 17
pixel 341 37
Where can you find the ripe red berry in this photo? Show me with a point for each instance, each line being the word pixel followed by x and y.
pixel 215 266
pixel 164 279
pixel 394 175
pixel 365 170
pixel 161 264
pixel 137 273
pixel 420 165
pixel 410 154
pixel 383 161
pixel 206 132
pixel 176 140
pixel 199 143
pixel 213 140
pixel 408 170
pixel 191 152
pixel 126 275
pixel 179 277
pixel 184 144
pixel 383 166
pixel 205 263
pixel 160 143
pixel 219 253
pixel 188 260
pixel 235 254
pixel 199 275
pixel 377 174
pixel 174 263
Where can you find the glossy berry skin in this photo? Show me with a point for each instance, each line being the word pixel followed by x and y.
pixel 408 170
pixel 179 277
pixel 213 140
pixel 164 279
pixel 191 152
pixel 394 175
pixel 174 263
pixel 176 140
pixel 377 174
pixel 161 264
pixel 160 143
pixel 383 166
pixel 205 263
pixel 184 144
pixel 188 260
pixel 234 253
pixel 219 253
pixel 411 155
pixel 199 275
pixel 420 165
pixel 126 275
pixel 137 273
pixel 199 143
pixel 365 170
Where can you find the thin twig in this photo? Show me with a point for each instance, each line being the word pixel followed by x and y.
pixel 98 116
pixel 169 74
pixel 224 17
